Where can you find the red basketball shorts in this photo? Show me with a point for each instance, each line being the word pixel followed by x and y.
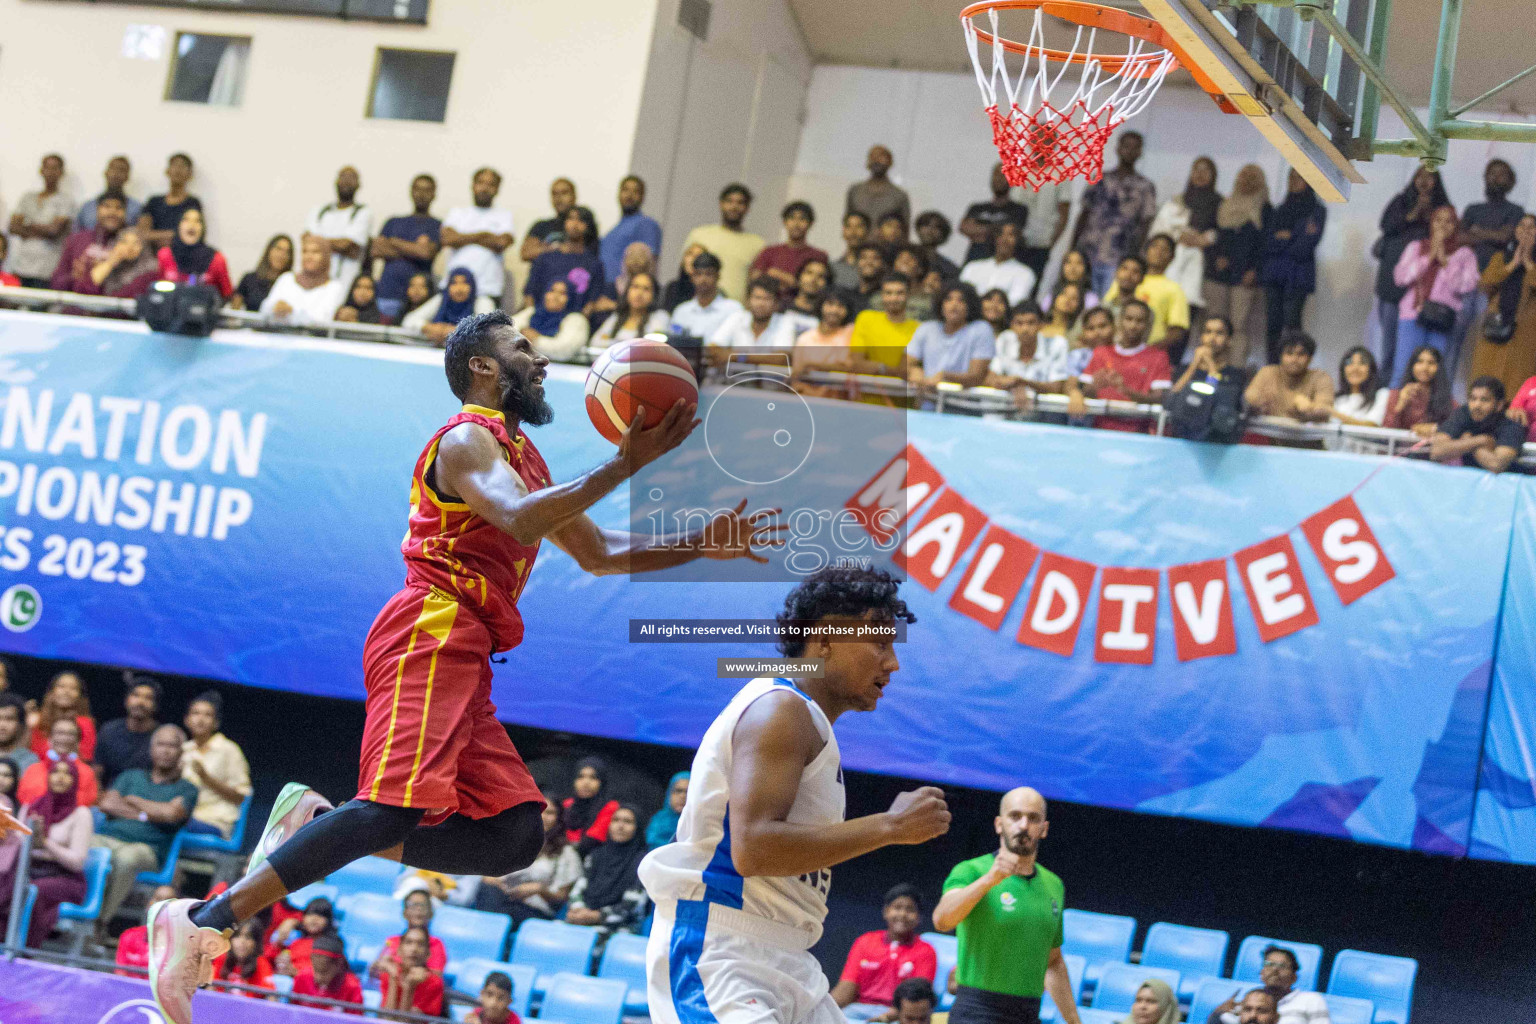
pixel 431 739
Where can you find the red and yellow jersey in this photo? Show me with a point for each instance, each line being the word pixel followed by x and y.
pixel 448 547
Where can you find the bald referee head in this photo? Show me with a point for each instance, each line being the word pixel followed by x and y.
pixel 1021 823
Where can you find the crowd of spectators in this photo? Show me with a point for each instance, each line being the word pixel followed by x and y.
pixel 1126 313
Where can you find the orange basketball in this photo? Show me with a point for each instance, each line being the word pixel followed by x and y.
pixel 637 373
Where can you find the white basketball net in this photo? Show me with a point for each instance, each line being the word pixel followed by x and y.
pixel 1042 140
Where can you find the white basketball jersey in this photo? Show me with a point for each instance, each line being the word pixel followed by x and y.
pixel 697 866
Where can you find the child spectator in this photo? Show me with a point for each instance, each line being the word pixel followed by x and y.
pixel 412 985
pixel 880 960
pixel 63 745
pixel 914 1001
pixel 1361 400
pixel 133 944
pixel 495 1006
pixel 609 895
pixel 216 765
pixel 662 828
pixel 64 698
pixel 541 888
pixel 293 941
pixel 327 975
pixel 244 964
pixel 189 259
pixel 585 813
pixel 1479 434
pixel 362 305
pixel 556 330
pixel 276 260
pixel 417 910
pixel 1422 398
pixel 439 315
pixel 1291 388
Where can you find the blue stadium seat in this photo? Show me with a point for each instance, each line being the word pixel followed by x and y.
pixel 371 918
pixel 195 843
pixel 370 874
pixel 80 918
pixel 1386 981
pixel 578 999
pixel 1090 1016
pixel 1119 984
pixel 1098 939
pixel 551 947
pixel 1250 956
pixel 624 959
pixel 471 933
pixel 167 873
pixel 470 979
pixel 1194 952
pixel 948 949
pixel 1349 1010
pixel 1211 993
pixel 1076 967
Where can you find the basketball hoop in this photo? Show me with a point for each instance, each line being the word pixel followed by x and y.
pixel 1041 139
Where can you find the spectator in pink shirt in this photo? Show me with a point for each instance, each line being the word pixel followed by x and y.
pixel 1439 272
pixel 1523 409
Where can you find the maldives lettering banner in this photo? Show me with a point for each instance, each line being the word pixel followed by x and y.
pixel 1251 635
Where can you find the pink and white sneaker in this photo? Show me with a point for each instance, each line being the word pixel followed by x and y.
pixel 294 807
pixel 181 957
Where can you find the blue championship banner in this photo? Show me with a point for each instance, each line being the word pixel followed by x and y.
pixel 1250 635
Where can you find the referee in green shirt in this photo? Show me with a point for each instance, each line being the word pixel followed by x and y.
pixel 1007 909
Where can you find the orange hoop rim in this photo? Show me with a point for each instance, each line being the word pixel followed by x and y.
pixel 1093 16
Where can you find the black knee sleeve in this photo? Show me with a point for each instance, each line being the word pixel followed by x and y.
pixel 356 829
pixel 498 845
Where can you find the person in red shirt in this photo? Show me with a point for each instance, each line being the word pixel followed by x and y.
pixel 782 262
pixel 1523 408
pixel 413 986
pixel 65 698
pixel 881 960
pixel 1129 370
pixel 495 1002
pixel 191 260
pixel 291 955
pixel 133 944
pixel 587 814
pixel 244 963
pixel 417 911
pixel 327 975
pixel 63 745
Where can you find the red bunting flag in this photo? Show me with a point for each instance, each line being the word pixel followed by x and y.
pixel 994 577
pixel 1056 604
pixel 1127 621
pixel 1202 610
pixel 894 493
pixel 933 548
pixel 1277 591
pixel 1344 543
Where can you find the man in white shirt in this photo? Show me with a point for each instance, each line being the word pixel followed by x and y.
pixel 345 225
pixel 1292 1005
pixel 1001 270
pixel 477 236
pixel 759 326
pixel 1026 358
pixel 704 314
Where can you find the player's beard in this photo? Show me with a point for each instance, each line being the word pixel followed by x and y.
pixel 522 400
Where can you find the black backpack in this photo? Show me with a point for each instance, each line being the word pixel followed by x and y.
pixel 1208 409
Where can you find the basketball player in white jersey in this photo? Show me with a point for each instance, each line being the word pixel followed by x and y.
pixel 741 894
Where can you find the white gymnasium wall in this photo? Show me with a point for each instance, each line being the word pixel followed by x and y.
pixel 726 109
pixel 934 124
pixel 540 90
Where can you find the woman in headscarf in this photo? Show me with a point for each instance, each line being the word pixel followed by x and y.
pixel 1231 287
pixel 586 812
pixel 362 305
pixel 1155 1004
pixel 191 260
pixel 555 329
pixel 1288 264
pixel 610 894
pixel 61 838
pixel 662 828
pixel 1510 282
pixel 307 294
pixel 438 316
pixel 1190 220
pixel 64 698
pixel 276 260
pixel 541 888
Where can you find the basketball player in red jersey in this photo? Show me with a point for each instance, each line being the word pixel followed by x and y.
pixel 440 784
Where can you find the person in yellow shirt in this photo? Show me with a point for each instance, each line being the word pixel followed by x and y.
pixel 880 336
pixel 1170 309
pixel 734 247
